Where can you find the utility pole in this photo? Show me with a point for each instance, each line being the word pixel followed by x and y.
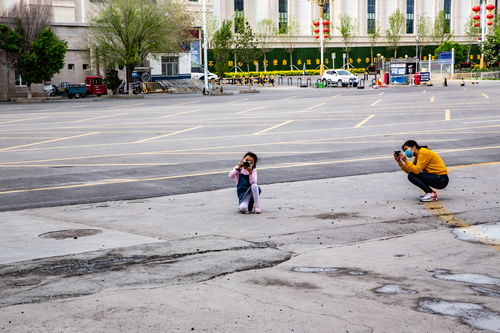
pixel 205 47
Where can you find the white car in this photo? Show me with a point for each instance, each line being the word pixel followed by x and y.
pixel 341 77
pixel 198 73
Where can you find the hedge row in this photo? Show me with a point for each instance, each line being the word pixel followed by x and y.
pixel 287 73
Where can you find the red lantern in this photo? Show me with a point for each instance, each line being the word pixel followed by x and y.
pixel 476 9
pixel 316 31
pixel 316 23
pixel 317 37
pixel 325 22
pixel 490 16
pixel 326 30
pixel 490 23
pixel 476 17
pixel 490 7
pixel 326 36
pixel 476 25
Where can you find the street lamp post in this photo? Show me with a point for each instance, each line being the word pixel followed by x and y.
pixel 321 4
pixel 205 47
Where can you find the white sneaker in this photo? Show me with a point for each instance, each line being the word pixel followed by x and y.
pixel 429 197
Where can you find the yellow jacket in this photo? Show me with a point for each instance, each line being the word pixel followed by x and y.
pixel 426 161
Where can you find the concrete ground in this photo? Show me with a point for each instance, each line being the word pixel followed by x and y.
pixel 342 245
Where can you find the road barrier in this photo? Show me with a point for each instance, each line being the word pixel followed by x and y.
pixel 289 81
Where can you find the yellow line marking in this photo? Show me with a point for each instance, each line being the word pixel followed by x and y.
pixel 20 120
pixel 271 128
pixel 185 103
pixel 239 100
pixel 361 123
pixel 121 106
pixel 433 99
pixel 179 113
pixel 169 134
pixel 251 109
pixel 485 96
pixel 95 118
pixel 85 165
pixel 288 98
pixel 447 115
pixel 337 95
pixel 315 106
pixel 382 93
pixel 48 141
pixel 376 102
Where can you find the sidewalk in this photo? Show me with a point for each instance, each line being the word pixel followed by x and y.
pixel 312 262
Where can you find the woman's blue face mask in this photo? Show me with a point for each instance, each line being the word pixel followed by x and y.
pixel 408 153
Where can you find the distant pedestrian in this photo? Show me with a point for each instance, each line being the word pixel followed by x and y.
pixel 427 171
pixel 248 191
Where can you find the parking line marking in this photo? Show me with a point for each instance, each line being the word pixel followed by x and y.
pixel 185 103
pixel 447 115
pixel 48 141
pixel 251 109
pixel 337 95
pixel 122 106
pixel 271 128
pixel 178 114
pixel 288 98
pixel 485 96
pixel 376 102
pixel 315 106
pixel 424 91
pixel 383 92
pixel 433 99
pixel 100 117
pixel 239 100
pixel 169 134
pixel 19 120
pixel 483 121
pixel 361 123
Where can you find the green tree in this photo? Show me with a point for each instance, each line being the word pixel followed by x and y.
pixel 373 36
pixel 245 44
pixel 491 49
pixel 423 33
pixel 127 32
pixel 472 33
pixel 348 28
pixel 395 29
pixel 222 43
pixel 266 32
pixel 45 59
pixel 460 50
pixel 289 39
pixel 441 29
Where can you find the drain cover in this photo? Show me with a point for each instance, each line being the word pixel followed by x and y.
pixel 71 233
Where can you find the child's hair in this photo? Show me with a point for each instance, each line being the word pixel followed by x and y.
pixel 412 143
pixel 254 156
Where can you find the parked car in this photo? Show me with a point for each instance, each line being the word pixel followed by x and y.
pixel 198 73
pixel 71 90
pixel 341 77
pixel 95 86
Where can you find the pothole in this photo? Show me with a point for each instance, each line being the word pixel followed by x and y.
pixel 394 289
pixel 471 314
pixel 469 278
pixel 486 291
pixel 70 233
pixel 482 233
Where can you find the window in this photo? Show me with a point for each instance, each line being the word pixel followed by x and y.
pixel 371 16
pixel 410 16
pixel 326 11
pixel 447 14
pixel 85 67
pixel 170 66
pixel 71 67
pixel 19 80
pixel 239 15
pixel 283 16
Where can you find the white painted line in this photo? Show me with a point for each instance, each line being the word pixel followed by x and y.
pixel 100 117
pixel 185 103
pixel 485 96
pixel 178 114
pixel 447 115
pixel 376 102
pixel 19 120
pixel 288 98
pixel 251 109
pixel 433 99
pixel 337 95
pixel 169 134
pixel 483 121
pixel 49 141
pixel 383 92
pixel 271 128
pixel 364 121
pixel 424 91
pixel 315 106
pixel 240 100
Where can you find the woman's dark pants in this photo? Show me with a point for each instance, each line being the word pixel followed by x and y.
pixel 427 180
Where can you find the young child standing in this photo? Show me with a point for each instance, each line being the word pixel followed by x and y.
pixel 248 191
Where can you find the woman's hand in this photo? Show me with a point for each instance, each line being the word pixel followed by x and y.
pixel 399 158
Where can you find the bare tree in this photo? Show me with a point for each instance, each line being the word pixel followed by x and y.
pixel 266 32
pixel 289 39
pixel 423 33
pixel 30 17
pixel 373 36
pixel 348 29
pixel 394 32
pixel 473 33
pixel 441 29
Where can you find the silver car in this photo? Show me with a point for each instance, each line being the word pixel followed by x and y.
pixel 341 77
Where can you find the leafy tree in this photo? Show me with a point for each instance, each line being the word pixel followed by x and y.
pixel 266 32
pixel 289 38
pixel 441 29
pixel 348 29
pixel 127 32
pixel 491 49
pixel 373 36
pixel 245 44
pixel 423 33
pixel 395 29
pixel 472 33
pixel 222 43
pixel 45 59
pixel 460 50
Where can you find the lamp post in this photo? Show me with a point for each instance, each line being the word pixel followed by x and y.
pixel 205 47
pixel 483 20
pixel 321 4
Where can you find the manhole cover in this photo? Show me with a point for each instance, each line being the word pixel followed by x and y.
pixel 71 233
